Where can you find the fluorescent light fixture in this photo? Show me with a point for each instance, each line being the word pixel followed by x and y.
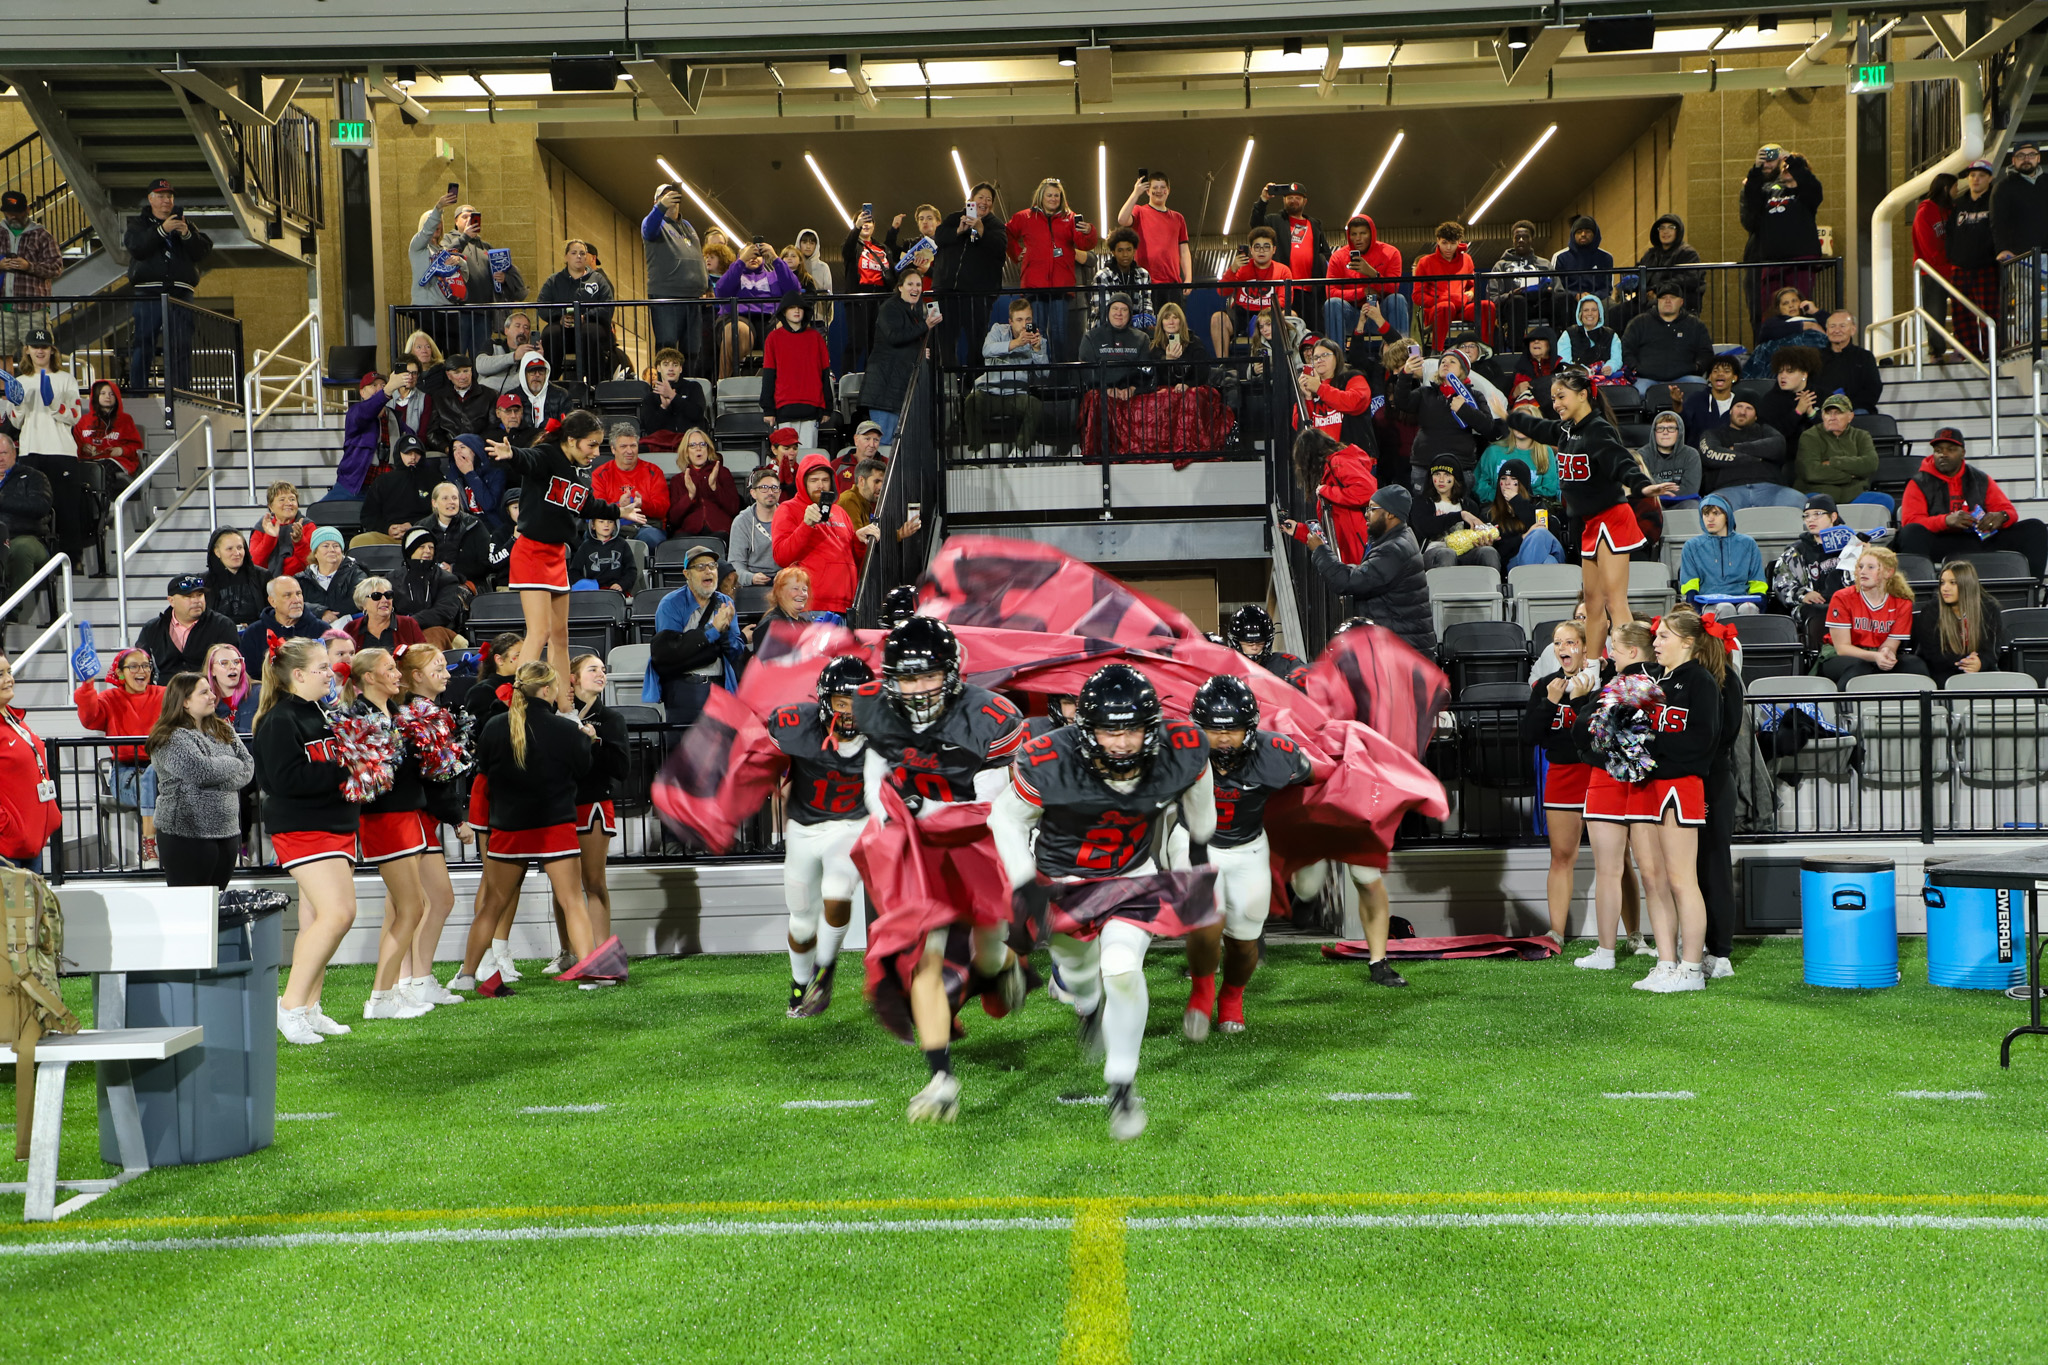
pixel 1102 184
pixel 826 186
pixel 836 64
pixel 698 199
pixel 405 77
pixel 1237 187
pixel 1385 161
pixel 1518 39
pixel 1069 57
pixel 1767 23
pixel 1291 48
pixel 960 169
pixel 1527 157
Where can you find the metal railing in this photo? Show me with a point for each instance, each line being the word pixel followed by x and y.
pixel 1318 611
pixel 126 549
pixel 29 167
pixel 296 377
pixel 277 168
pixel 1879 334
pixel 96 336
pixel 64 620
pixel 915 481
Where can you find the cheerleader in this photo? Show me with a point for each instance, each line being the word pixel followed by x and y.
pixel 597 823
pixel 497 661
pixel 1550 723
pixel 1672 805
pixel 1610 800
pixel 1597 475
pixel 312 826
pixel 554 500
pixel 533 758
pixel 390 837
pixel 424 671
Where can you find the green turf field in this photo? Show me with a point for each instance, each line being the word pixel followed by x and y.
pixel 1797 1207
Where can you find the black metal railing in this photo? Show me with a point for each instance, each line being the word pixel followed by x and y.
pixel 208 369
pixel 1321 609
pixel 914 488
pixel 98 336
pixel 277 168
pixel 29 167
pixel 2021 318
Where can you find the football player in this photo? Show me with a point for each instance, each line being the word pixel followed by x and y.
pixel 827 810
pixel 1059 710
pixel 1250 633
pixel 899 604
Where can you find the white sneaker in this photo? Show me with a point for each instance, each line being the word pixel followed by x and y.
pixel 1599 960
pixel 507 968
pixel 561 962
pixel 436 993
pixel 463 981
pixel 1690 976
pixel 323 1025
pixel 1555 937
pixel 392 1005
pixel 1717 968
pixel 293 1026
pixel 1641 946
pixel 1658 974
pixel 412 992
pixel 938 1102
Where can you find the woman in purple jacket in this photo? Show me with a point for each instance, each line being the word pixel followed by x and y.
pixel 751 285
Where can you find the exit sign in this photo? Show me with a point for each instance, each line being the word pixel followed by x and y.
pixel 1871 78
pixel 349 133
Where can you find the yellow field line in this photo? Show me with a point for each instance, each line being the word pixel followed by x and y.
pixel 1097 1322
pixel 984 1203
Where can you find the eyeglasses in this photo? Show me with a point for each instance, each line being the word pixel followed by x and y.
pixel 135 668
pixel 380 597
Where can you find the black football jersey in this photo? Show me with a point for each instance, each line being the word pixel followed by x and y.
pixel 1089 830
pixel 979 730
pixel 1284 666
pixel 1276 762
pixel 1041 725
pixel 824 784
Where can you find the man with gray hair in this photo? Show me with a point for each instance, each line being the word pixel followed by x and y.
pixel 626 469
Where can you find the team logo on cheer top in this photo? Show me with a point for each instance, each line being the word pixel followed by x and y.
pixel 567 493
pixel 320 751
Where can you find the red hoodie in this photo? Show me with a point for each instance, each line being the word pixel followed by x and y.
pixel 26 824
pixel 1046 243
pixel 1348 486
pixel 117 440
pixel 1915 511
pixel 1381 256
pixel 117 711
pixel 825 550
pixel 1457 293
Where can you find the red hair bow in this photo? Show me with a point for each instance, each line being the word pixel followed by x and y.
pixel 554 424
pixel 483 661
pixel 276 643
pixel 1713 626
pixel 343 671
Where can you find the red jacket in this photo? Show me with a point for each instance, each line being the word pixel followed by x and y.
pixel 1981 490
pixel 1046 243
pixel 118 440
pixel 1257 300
pixel 1381 256
pixel 406 630
pixel 703 502
pixel 117 711
pixel 1456 293
pixel 1331 405
pixel 299 554
pixel 796 370
pixel 1348 485
pixel 824 551
pixel 1930 235
pixel 26 824
pixel 608 481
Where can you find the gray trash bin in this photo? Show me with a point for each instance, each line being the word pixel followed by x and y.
pixel 219 1099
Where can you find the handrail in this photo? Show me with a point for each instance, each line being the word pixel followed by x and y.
pixel 122 550
pixel 1925 321
pixel 305 379
pixel 60 563
pixel 1922 270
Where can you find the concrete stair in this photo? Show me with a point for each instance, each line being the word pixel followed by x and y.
pixel 1958 396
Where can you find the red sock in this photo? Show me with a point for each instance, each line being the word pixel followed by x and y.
pixel 1231 1007
pixel 1202 995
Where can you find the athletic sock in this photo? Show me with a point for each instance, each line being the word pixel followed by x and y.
pixel 802 965
pixel 829 940
pixel 939 1059
pixel 1202 995
pixel 1123 1025
pixel 1230 1005
pixel 501 947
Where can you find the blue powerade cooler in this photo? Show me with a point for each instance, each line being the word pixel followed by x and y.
pixel 1849 920
pixel 1970 937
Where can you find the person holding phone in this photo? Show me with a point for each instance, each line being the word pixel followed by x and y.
pixel 1047 237
pixel 165 253
pixel 675 270
pixel 867 272
pixel 814 533
pixel 973 250
pixel 901 328
pixel 1300 243
pixel 1162 234
pixel 1010 354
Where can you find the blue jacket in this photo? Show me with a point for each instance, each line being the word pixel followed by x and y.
pixel 1721 566
pixel 1585 269
pixel 482 488
pixel 678 613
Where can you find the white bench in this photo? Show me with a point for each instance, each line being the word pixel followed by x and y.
pixel 112 928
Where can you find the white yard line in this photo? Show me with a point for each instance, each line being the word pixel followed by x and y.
pixel 305 1118
pixel 1648 1095
pixel 1941 1094
pixel 563 1109
pixel 826 1104
pixel 1345 1096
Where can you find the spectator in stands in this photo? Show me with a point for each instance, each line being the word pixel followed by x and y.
pixel 672 406
pixel 899 344
pixel 1363 256
pixel 815 272
pixel 784 449
pixel 477 477
pixel 863 502
pixel 864 266
pixel 626 469
pixel 814 533
pixel 1973 256
pixel 1791 405
pixel 1590 341
pixel 752 547
pixel 702 497
pixel 1519 285
pixel 436 261
pixel 789 600
pixel 1452 293
pixel 1746 462
pixel 429 594
pixel 1963 632
pixel 1524 538
pixel 1048 237
pixel 29 260
pixel 697 645
pixel 1389 586
pixel 603 558
pixel 1537 361
pixel 401 496
pixel 1664 262
pixel 1302 246
pixel 127 706
pixel 1254 275
pixel 460 540
pixel 1116 350
pixel 1780 196
pixel 461 405
pixel 25 510
pixel 379 626
pixel 164 256
pixel 330 580
pixel 1667 345
pixel 1794 320
pixel 1162 234
pixel 236 694
pixel 1540 480
pixel 202 770
pixel 28 818
pixel 49 407
pixel 924 219
pixel 1869 620
pixel 178 639
pixel 1338 398
pixel 407 409
pixel 362 437
pixel 919 258
pixel 2019 204
pixel 1583 268
pixel 973 252
pixel 545 400
pixel 1952 508
pixel 283 541
pixel 749 288
pixel 1343 479
pixel 1721 567
pixel 675 268
pixel 1118 272
pixel 286 617
pixel 1450 511
pixel 582 288
pixel 108 433
pixel 1835 457
pixel 234 585
pixel 1670 460
pixel 498 367
pixel 1452 421
pixel 1394 430
pixel 486 280
pixel 867 445
pixel 1931 221
pixel 1847 368
pixel 1809 573
pixel 1010 354
pixel 1706 410
pixel 796 370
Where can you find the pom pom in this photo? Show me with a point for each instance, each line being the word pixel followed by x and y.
pixel 1620 726
pixel 437 739
pixel 367 748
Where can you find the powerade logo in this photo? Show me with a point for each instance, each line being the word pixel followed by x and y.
pixel 2005 926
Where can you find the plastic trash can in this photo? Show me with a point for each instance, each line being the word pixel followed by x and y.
pixel 1849 922
pixel 219 1099
pixel 1971 936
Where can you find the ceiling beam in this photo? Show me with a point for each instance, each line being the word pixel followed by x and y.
pixel 1937 24
pixel 653 78
pixel 281 99
pixel 1546 45
pixel 212 92
pixel 2003 32
pixel 1333 60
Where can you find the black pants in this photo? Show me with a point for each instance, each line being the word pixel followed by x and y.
pixel 1842 670
pixel 2029 538
pixel 189 861
pixel 1715 867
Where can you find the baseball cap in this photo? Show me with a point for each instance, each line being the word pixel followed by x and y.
pixel 509 400
pixel 1949 434
pixel 14 201
pixel 370 377
pixel 2026 145
pixel 184 583
pixel 1837 402
pixel 1821 502
pixel 1980 164
pixel 160 184
pixel 39 337
pixel 865 427
pixel 784 436
pixel 1670 287
pixel 698 552
pixel 407 445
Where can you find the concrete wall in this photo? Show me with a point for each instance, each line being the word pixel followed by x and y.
pixel 1716 139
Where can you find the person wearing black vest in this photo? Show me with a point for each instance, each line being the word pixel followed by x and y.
pixel 1953 508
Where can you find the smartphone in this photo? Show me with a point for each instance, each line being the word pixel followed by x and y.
pixel 910 512
pixel 931 310
pixel 972 212
pixel 1144 174
pixel 867 210
pixel 1244 253
pixel 453 186
pixel 759 240
pixel 1356 255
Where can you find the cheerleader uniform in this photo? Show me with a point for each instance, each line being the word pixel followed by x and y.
pixel 1685 732
pixel 441 803
pixel 1608 798
pixel 391 827
pixel 304 811
pixel 594 808
pixel 554 501
pixel 1552 726
pixel 482 703
pixel 533 808
pixel 1596 476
